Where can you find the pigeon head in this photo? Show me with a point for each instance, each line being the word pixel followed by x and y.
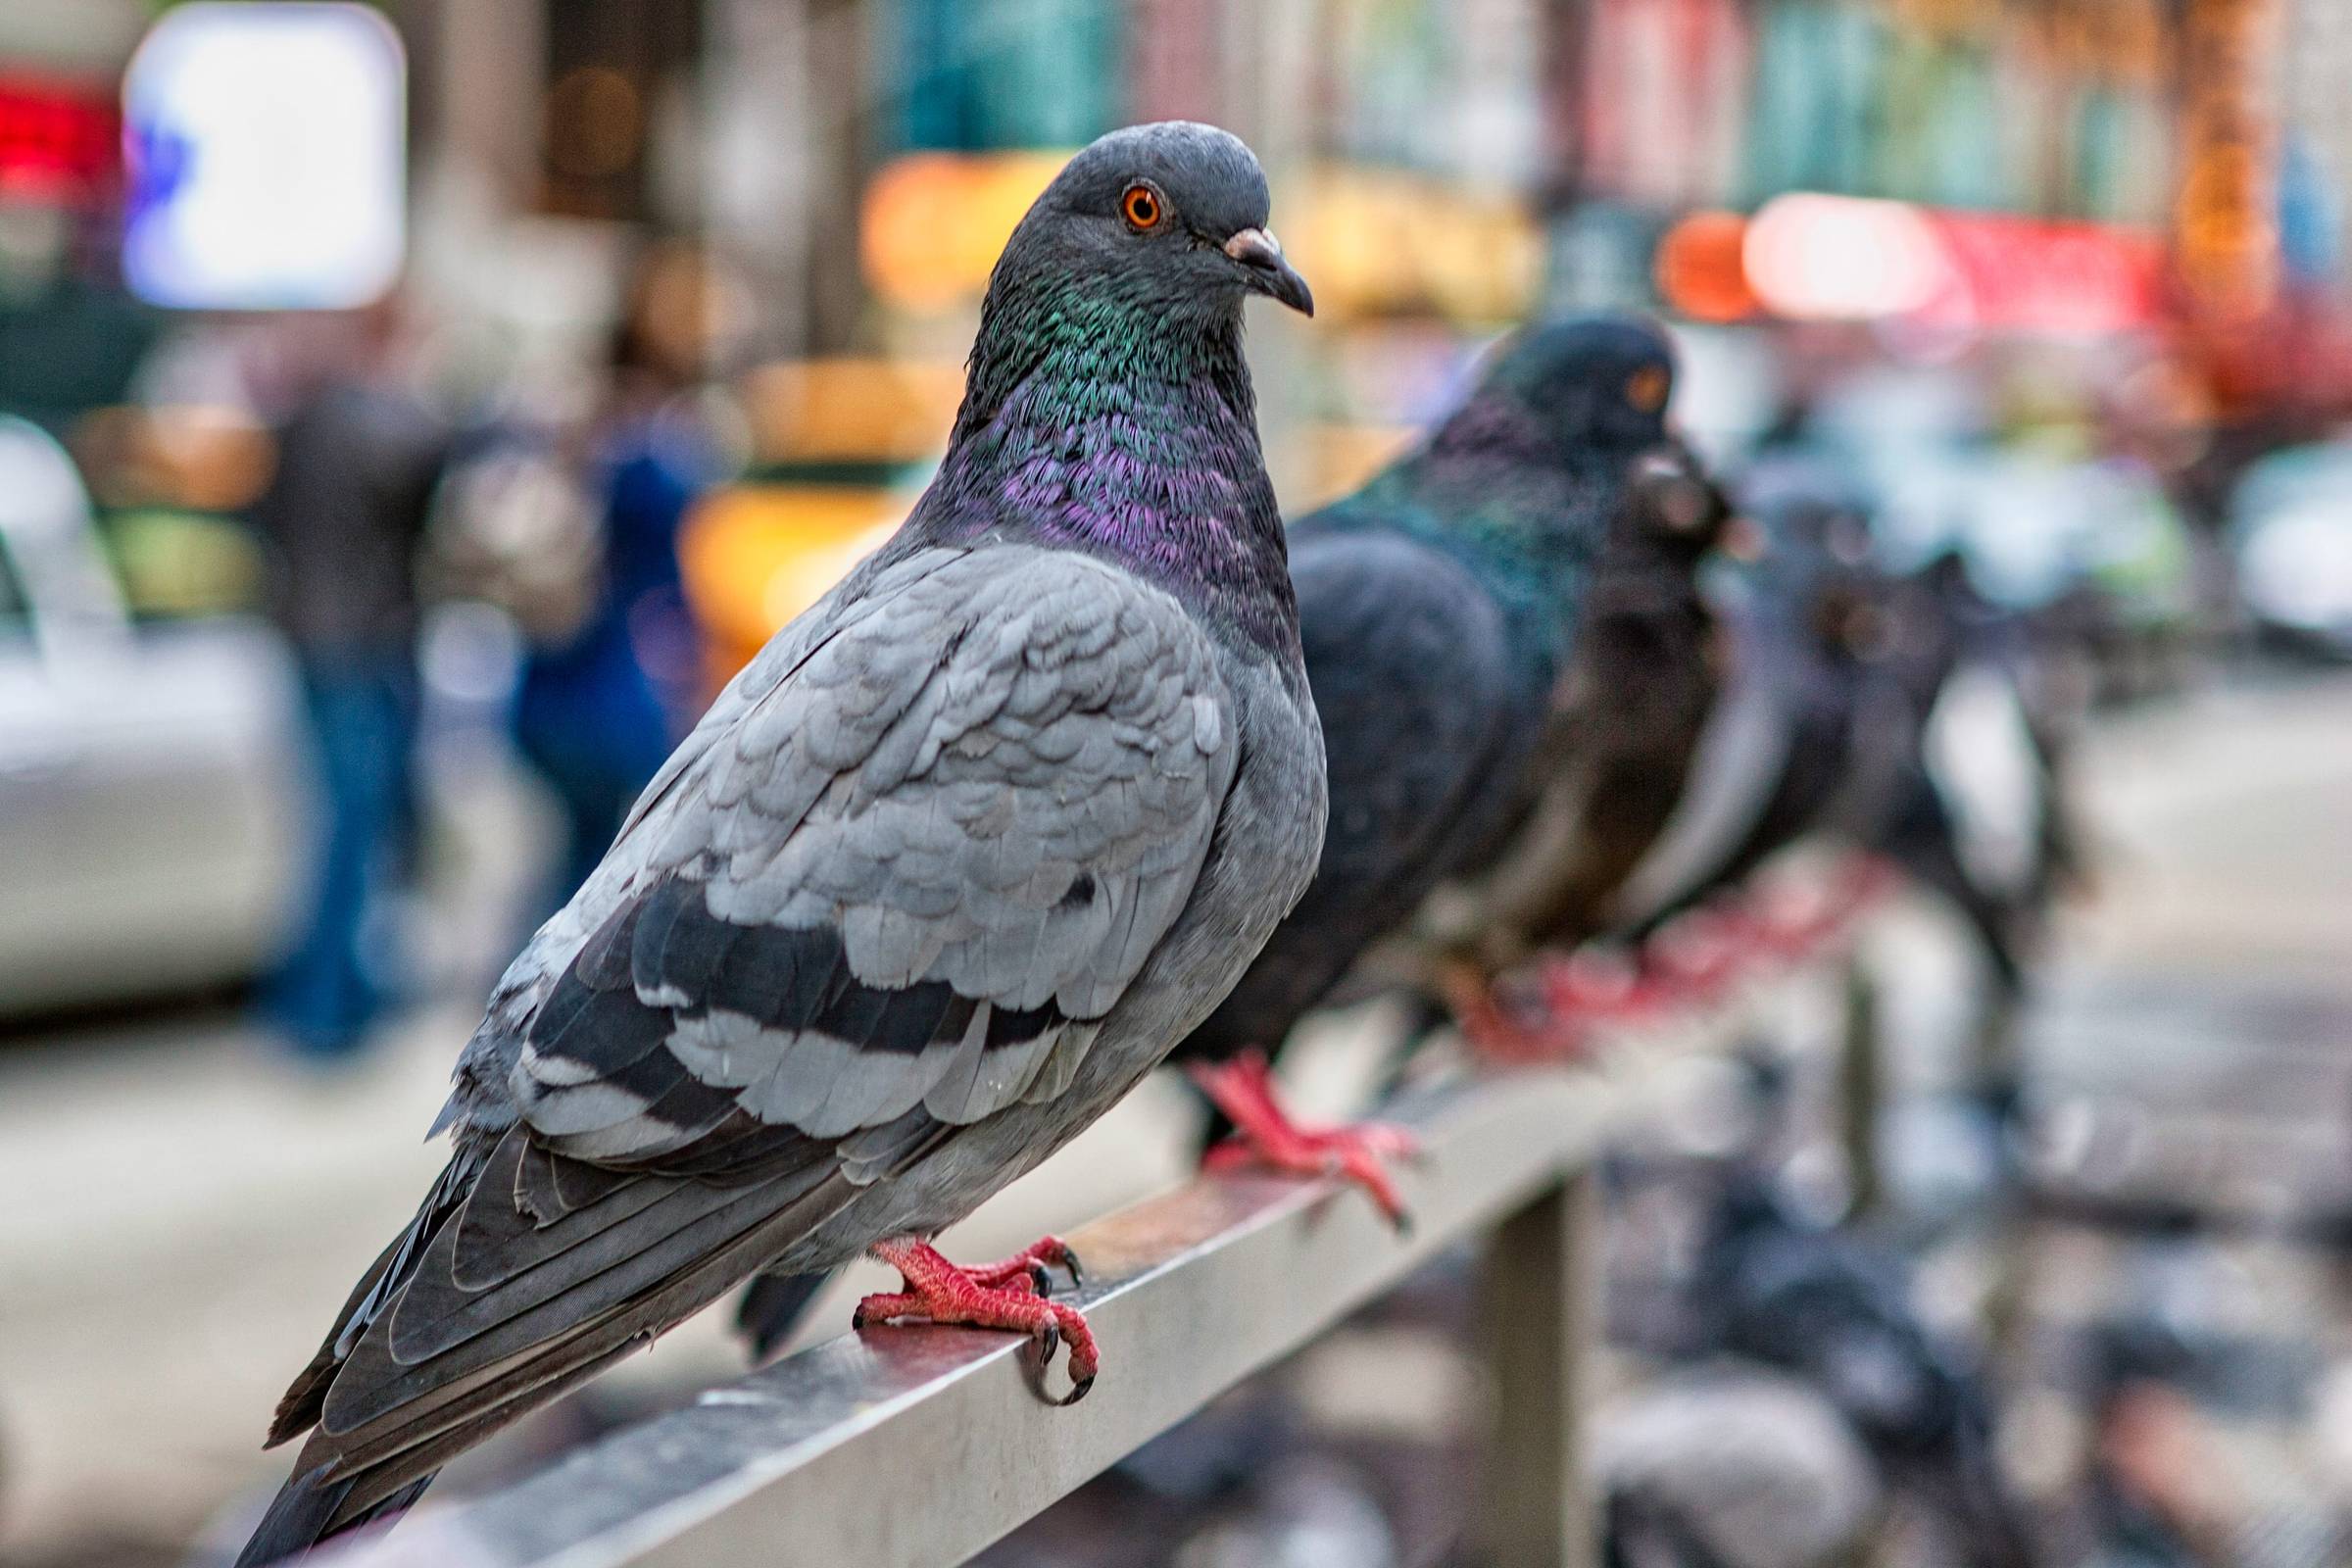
pixel 1538 459
pixel 1123 285
pixel 1593 381
pixel 1165 219
pixel 1107 406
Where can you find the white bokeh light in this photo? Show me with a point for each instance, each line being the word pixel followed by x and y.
pixel 267 148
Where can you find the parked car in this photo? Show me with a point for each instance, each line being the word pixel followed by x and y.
pixel 152 798
pixel 2290 528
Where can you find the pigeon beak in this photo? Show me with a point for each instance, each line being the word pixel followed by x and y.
pixel 1260 256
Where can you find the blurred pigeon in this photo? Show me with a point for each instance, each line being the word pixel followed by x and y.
pixel 1729 1466
pixel 1835 1310
pixel 1893 714
pixel 1982 818
pixel 1642 681
pixel 1813 730
pixel 1439 606
pixel 940 876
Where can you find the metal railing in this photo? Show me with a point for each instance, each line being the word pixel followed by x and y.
pixel 917 1448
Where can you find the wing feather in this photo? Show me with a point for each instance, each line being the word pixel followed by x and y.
pixel 889 887
pixel 1429 711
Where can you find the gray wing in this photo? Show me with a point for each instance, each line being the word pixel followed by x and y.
pixel 908 866
pixel 914 874
pixel 481 1099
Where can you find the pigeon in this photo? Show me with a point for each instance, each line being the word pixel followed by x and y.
pixel 1834 1310
pixel 1735 1466
pixel 1437 607
pixel 1985 820
pixel 940 876
pixel 1440 608
pixel 1813 729
pixel 1888 713
pixel 1642 678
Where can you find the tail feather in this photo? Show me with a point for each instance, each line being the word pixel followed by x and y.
pixel 375 1467
pixel 313 1507
pixel 772 1307
pixel 297 1518
pixel 305 1400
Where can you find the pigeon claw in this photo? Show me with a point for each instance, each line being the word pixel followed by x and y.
pixel 1010 1294
pixel 1267 1136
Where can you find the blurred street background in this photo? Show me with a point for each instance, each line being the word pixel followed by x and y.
pixel 411 413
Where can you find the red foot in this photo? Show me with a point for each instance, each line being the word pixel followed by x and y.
pixel 1600 987
pixel 1699 955
pixel 1006 1295
pixel 1244 1090
pixel 1496 1034
pixel 1766 926
pixel 1029 1265
pixel 1504 1027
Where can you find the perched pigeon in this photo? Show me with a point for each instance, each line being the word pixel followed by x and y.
pixel 1641 681
pixel 1984 821
pixel 1814 731
pixel 941 875
pixel 1439 606
pixel 1888 713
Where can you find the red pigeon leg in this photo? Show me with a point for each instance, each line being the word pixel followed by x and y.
pixel 1599 988
pixel 1003 1295
pixel 1504 1027
pixel 1266 1135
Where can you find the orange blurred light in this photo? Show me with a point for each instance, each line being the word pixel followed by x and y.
pixel 1382 242
pixel 753 556
pixel 933 224
pixel 851 410
pixel 1700 270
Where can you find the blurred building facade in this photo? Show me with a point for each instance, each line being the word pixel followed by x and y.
pixel 552 124
pixel 2172 168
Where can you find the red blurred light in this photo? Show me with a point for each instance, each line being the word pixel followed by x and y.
pixel 1829 258
pixel 57 141
pixel 2029 275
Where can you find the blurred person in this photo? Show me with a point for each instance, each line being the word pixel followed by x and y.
pixel 340 520
pixel 602 703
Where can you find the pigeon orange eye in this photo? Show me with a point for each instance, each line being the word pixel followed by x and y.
pixel 1646 388
pixel 1140 204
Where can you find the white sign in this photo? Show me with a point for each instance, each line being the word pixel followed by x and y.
pixel 266 149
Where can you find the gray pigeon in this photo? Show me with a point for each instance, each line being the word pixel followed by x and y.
pixel 945 872
pixel 1438 606
pixel 1731 1466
